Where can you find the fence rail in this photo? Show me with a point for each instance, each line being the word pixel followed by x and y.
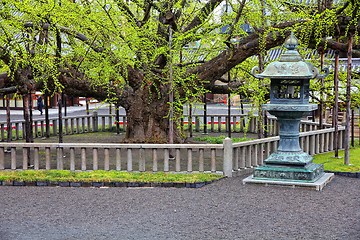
pixel 228 158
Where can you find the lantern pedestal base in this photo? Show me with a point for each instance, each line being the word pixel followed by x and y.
pixel 289 158
pixel 309 173
pixel 317 185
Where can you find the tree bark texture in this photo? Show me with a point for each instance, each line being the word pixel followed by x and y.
pixel 147 117
pixel 28 124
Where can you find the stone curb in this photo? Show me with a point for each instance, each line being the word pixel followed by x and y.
pixel 105 184
pixel 348 174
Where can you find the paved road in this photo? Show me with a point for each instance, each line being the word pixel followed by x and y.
pixel 222 210
pixel 53 112
pixel 104 109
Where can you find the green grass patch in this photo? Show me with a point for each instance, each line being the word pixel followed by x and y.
pixel 337 164
pixel 105 176
pixel 219 139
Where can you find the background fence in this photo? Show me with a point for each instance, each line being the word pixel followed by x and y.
pixel 215 123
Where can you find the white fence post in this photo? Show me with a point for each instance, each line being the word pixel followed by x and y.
pixel 228 157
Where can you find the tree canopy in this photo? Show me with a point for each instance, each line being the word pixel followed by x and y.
pixel 135 53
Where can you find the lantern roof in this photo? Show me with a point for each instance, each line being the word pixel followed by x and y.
pixel 290 66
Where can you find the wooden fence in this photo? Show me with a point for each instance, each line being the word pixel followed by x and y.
pixel 95 123
pixel 251 154
pixel 228 158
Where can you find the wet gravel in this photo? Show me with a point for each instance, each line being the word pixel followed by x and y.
pixel 226 209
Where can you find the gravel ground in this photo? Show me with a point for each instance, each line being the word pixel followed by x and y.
pixel 223 210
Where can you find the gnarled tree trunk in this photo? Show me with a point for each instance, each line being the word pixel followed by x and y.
pixel 148 117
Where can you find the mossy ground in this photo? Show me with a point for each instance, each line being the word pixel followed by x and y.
pixel 105 176
pixel 337 164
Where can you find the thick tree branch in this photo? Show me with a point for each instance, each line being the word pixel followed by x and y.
pixel 247 47
pixel 77 84
pixel 224 88
pixel 8 90
pixel 334 45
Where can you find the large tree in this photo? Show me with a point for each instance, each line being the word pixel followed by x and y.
pixel 138 53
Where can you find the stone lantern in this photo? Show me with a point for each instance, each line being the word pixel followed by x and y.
pixel 289 102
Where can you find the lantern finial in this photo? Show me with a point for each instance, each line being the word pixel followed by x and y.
pixel 291 42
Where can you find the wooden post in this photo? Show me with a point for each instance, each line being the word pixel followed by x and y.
pixel 118 159
pixel 166 160
pixel 201 160
pixel 87 105
pixel 83 159
pixel 118 119
pixel 60 158
pixel 95 122
pixel 27 101
pixel 107 159
pixel 72 159
pixel 47 121
pixel 2 158
pixel 228 157
pixel 213 160
pixel 348 102
pixel 47 158
pixel 129 160
pixel 205 114
pixel 64 103
pixel 154 158
pixel 31 120
pixel 95 159
pixel 171 93
pixel 177 157
pixel 242 157
pixel 36 158
pixel 13 158
pixel 352 128
pixel 25 158
pixel 229 113
pixel 336 105
pixel 142 160
pixel 190 120
pixel 189 160
pixel 8 121
pixel 321 110
pixel 27 117
pixel 60 121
